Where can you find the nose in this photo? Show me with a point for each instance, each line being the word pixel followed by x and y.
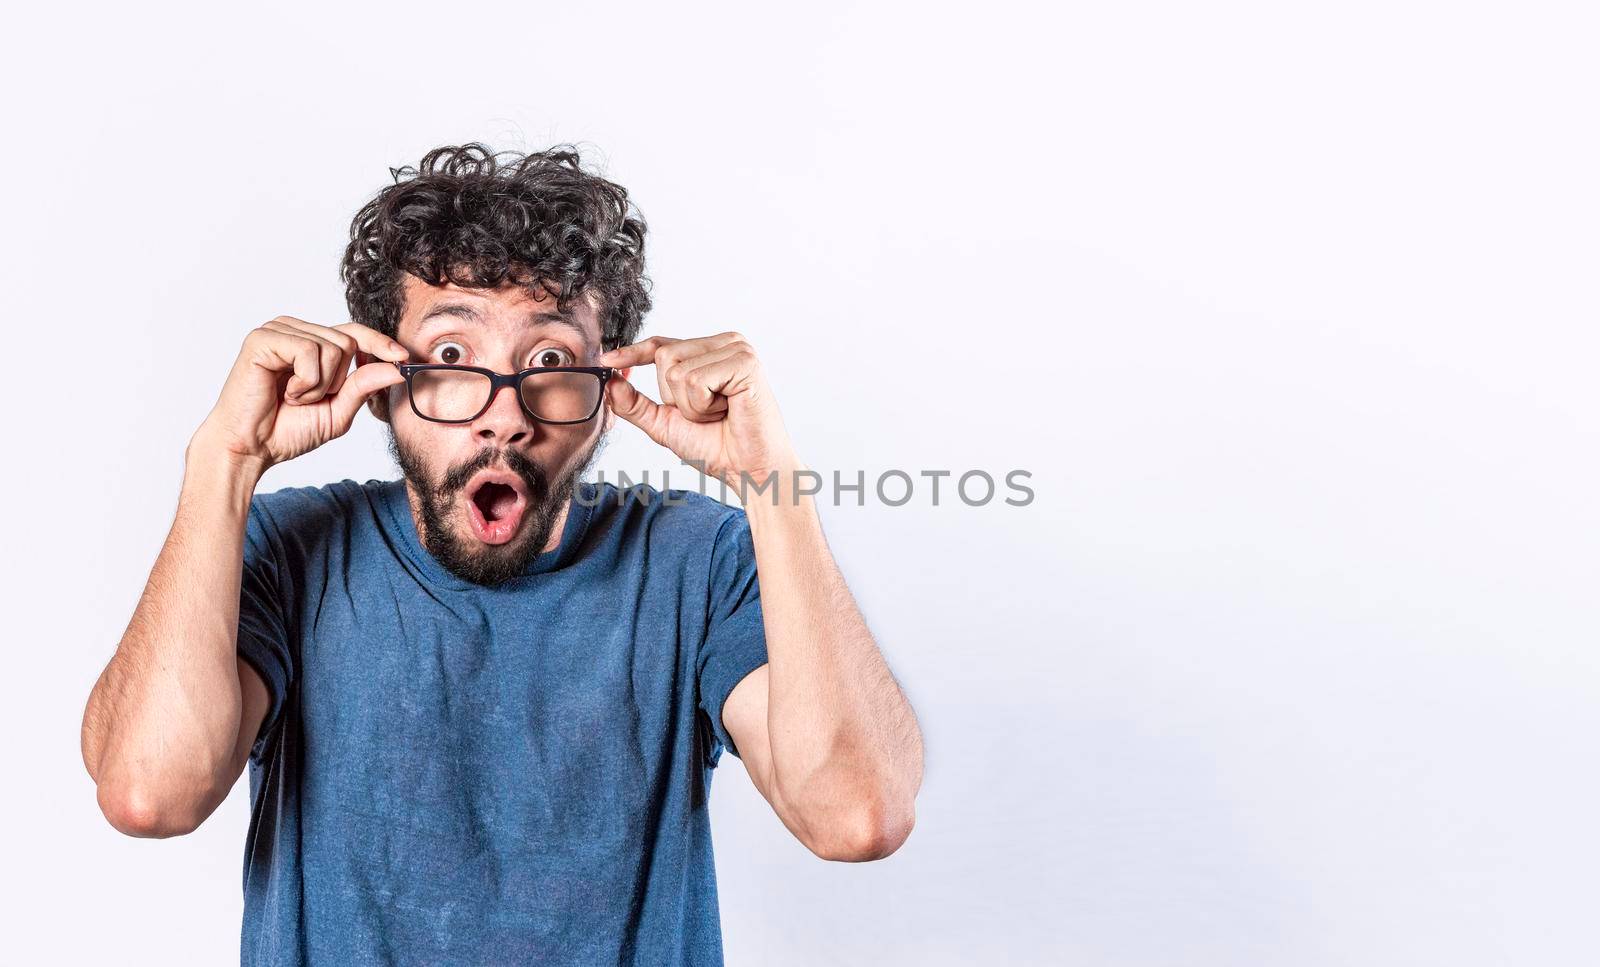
pixel 505 421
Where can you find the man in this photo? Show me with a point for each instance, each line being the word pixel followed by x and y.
pixel 480 704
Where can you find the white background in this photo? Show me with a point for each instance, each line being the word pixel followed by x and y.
pixel 1290 310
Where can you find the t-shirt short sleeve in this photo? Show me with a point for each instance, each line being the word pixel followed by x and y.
pixel 735 644
pixel 263 622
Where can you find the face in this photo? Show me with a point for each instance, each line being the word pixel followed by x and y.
pixel 490 495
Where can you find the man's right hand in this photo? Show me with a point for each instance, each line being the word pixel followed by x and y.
pixel 291 390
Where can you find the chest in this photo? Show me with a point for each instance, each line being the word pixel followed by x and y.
pixel 558 711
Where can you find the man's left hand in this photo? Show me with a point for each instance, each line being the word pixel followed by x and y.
pixel 717 411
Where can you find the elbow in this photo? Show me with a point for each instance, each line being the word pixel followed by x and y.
pixel 856 807
pixel 873 831
pixel 140 813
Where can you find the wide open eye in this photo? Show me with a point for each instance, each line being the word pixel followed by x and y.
pixel 451 353
pixel 551 356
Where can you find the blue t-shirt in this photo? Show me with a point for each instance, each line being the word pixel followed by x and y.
pixel 454 774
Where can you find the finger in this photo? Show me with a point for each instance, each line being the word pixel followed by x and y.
pixel 359 359
pixel 667 350
pixel 638 409
pixel 663 384
pixel 353 357
pixel 351 339
pixel 330 359
pixel 729 375
pixel 342 373
pixel 326 333
pixel 689 355
pixel 641 353
pixel 684 350
pixel 291 352
pixel 351 336
pixel 335 367
pixel 364 381
pixel 375 342
pixel 698 383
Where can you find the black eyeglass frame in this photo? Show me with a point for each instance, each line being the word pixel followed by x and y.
pixel 498 380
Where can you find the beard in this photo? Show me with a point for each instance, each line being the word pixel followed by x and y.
pixel 487 565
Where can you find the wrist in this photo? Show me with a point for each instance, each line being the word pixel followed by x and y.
pixel 786 491
pixel 210 444
pixel 773 480
pixel 793 516
pixel 758 464
pixel 212 466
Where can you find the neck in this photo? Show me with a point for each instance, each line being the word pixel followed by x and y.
pixel 559 527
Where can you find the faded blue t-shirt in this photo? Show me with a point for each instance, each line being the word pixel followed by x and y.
pixel 452 774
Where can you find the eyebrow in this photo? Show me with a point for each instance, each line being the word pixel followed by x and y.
pixel 463 310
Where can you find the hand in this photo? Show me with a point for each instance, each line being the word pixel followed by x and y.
pixel 291 389
pixel 716 411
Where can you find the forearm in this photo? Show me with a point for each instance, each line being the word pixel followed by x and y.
pixel 162 722
pixel 844 742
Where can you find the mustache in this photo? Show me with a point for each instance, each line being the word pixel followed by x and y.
pixel 532 474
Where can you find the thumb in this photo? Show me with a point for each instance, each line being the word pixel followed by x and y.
pixel 637 408
pixel 365 381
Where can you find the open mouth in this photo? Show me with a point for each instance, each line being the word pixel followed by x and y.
pixel 495 504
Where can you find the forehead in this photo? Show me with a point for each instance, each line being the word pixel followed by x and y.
pixel 509 309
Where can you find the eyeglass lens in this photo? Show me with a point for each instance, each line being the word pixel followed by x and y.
pixel 443 394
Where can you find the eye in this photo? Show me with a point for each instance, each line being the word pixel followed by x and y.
pixel 451 353
pixel 551 356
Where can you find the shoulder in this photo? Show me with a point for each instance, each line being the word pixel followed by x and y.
pixel 301 515
pixel 657 516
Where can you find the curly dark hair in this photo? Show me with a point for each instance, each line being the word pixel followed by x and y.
pixel 480 218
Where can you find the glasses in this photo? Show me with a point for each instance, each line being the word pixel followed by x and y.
pixel 562 395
